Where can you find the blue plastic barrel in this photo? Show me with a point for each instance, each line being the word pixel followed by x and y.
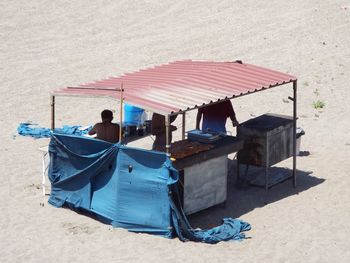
pixel 132 115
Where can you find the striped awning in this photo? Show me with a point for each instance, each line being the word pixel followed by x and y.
pixel 183 85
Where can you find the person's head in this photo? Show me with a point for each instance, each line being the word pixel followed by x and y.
pixel 107 115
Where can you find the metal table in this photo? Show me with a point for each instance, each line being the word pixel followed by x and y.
pixel 203 176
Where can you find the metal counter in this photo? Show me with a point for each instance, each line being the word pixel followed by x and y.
pixel 203 176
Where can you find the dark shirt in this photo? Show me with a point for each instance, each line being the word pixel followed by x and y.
pixel 215 116
pixel 158 129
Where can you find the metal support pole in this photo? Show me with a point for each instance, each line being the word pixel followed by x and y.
pixel 294 133
pixel 167 135
pixel 121 114
pixel 52 112
pixel 266 178
pixel 43 173
pixel 183 125
pixel 267 165
pixel 238 174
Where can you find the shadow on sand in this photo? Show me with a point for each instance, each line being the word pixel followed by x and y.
pixel 243 200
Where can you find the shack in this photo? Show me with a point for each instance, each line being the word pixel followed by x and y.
pixel 178 87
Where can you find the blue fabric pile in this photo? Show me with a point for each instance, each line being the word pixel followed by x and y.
pixel 126 187
pixel 231 229
pixel 33 130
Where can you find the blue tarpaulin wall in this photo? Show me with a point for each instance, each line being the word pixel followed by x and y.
pixel 126 187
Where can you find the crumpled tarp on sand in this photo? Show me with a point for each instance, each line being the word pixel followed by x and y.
pixel 131 188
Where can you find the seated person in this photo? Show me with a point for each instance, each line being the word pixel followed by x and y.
pixel 215 116
pixel 106 130
pixel 158 129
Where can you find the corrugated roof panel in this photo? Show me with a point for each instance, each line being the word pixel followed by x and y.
pixel 183 85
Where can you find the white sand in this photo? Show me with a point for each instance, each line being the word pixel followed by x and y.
pixel 45 45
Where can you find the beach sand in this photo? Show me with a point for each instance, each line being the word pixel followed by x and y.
pixel 46 45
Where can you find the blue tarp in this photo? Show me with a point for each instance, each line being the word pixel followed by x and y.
pixel 131 188
pixel 33 130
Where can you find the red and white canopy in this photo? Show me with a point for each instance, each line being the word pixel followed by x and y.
pixel 183 85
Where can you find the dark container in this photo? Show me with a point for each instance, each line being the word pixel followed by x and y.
pixel 268 139
pixel 140 131
pixel 148 125
pixel 129 130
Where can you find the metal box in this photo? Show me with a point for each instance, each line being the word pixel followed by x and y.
pixel 205 184
pixel 268 139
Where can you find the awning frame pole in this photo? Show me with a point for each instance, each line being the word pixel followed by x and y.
pixel 167 134
pixel 294 133
pixel 183 125
pixel 52 112
pixel 121 114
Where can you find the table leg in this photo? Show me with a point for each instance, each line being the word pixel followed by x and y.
pixel 266 178
pixel 43 174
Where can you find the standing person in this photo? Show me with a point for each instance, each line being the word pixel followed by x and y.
pixel 215 116
pixel 106 130
pixel 158 129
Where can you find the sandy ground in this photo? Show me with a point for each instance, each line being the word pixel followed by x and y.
pixel 49 44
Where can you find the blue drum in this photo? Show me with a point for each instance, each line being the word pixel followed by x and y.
pixel 133 115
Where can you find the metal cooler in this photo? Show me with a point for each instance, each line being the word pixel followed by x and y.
pixel 268 139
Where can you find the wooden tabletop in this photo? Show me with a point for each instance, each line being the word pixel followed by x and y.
pixel 224 146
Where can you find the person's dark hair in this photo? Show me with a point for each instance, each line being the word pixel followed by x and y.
pixel 107 115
